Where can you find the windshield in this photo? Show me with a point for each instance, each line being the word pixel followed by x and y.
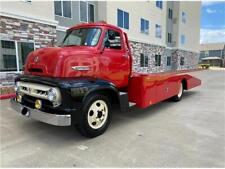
pixel 82 37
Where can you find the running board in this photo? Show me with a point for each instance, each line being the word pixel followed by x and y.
pixel 124 103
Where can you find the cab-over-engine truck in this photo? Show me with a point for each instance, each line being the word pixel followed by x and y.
pixel 77 82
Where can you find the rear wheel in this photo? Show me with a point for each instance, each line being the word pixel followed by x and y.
pixel 95 116
pixel 178 97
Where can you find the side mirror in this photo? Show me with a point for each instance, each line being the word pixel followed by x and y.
pixel 107 44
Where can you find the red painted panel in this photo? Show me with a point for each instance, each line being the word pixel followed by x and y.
pixel 7 96
pixel 145 90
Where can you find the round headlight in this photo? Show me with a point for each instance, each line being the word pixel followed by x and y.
pixel 52 95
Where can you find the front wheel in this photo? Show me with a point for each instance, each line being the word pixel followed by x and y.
pixel 178 97
pixel 95 116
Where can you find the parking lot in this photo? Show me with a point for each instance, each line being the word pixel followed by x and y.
pixel 190 133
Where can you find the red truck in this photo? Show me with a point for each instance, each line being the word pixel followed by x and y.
pixel 78 82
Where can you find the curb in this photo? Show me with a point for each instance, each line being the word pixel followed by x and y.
pixel 7 96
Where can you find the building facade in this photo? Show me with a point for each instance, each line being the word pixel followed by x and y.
pixel 164 35
pixel 213 54
pixel 25 26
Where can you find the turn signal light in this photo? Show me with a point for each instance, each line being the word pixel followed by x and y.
pixel 19 98
pixel 38 104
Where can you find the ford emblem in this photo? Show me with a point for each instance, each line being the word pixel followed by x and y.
pixel 36 59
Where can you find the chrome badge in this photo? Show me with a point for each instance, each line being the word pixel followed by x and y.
pixel 36 59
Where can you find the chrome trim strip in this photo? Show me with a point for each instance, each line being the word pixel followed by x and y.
pixel 54 119
pixel 81 68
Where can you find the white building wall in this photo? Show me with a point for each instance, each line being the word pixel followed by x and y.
pixel 42 11
pixel 191 29
pixel 137 10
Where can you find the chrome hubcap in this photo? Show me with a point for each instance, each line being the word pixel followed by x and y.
pixel 180 90
pixel 97 114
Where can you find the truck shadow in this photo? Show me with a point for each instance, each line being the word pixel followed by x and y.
pixel 137 113
pixel 57 136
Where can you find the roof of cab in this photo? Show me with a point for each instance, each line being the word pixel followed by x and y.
pixel 101 23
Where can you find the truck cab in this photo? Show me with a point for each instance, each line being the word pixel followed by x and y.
pixel 88 50
pixel 78 82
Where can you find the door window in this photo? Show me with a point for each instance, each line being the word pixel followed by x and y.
pixel 113 40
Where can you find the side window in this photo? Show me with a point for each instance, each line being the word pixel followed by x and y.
pixel 113 40
pixel 182 61
pixel 157 60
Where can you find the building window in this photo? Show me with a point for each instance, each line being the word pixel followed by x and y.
pixel 144 26
pixel 8 44
pixel 12 60
pixel 170 13
pixel 183 39
pixel 122 19
pixel 143 60
pixel 87 12
pixel 157 60
pixel 114 40
pixel 169 37
pixel 159 4
pixel 9 63
pixel 168 60
pixel 91 13
pixel 24 49
pixel 158 31
pixel 184 17
pixel 63 8
pixel 182 61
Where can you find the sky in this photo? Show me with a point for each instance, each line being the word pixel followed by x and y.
pixel 212 22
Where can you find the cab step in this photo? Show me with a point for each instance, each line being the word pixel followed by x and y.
pixel 131 104
pixel 124 103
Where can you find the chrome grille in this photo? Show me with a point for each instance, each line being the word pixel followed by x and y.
pixel 35 90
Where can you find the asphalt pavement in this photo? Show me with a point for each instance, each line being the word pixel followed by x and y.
pixel 189 133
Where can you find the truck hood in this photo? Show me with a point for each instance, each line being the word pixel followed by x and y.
pixel 70 61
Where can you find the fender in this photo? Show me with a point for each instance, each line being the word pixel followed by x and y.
pixel 75 90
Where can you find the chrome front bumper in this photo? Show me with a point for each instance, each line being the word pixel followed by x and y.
pixel 54 119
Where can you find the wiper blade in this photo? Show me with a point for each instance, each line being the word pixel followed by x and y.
pixel 69 45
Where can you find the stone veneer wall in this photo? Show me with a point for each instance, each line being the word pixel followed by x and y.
pixel 21 30
pixel 190 58
pixel 24 31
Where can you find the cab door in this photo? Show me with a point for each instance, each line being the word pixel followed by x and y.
pixel 114 59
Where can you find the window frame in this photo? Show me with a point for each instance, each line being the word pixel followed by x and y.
pixel 121 39
pixel 160 31
pixel 170 13
pixel 168 58
pixel 61 2
pixel 158 60
pixel 183 17
pixel 94 27
pixel 182 59
pixel 123 19
pixel 182 39
pixel 17 55
pixel 159 4
pixel 145 21
pixel 87 12
pixel 146 57
pixel 169 37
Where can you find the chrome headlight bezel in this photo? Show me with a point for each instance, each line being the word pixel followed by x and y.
pixel 52 95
